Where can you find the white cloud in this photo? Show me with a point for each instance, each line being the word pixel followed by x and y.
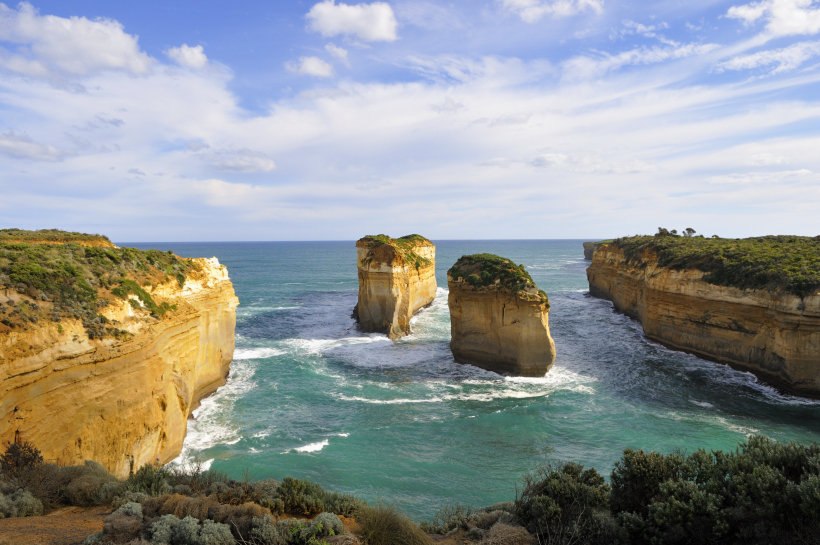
pixel 75 46
pixel 190 57
pixel 532 11
pixel 243 160
pixel 783 17
pixel 590 163
pixel 784 59
pixel 369 22
pixel 339 53
pixel 21 146
pixel 311 66
pixel 587 67
pixel 767 159
pixel 759 177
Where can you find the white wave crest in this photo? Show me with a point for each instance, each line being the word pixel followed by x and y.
pixel 313 447
pixel 256 353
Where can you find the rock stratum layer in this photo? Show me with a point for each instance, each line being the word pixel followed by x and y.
pixel 498 327
pixel 121 401
pixel 775 335
pixel 397 278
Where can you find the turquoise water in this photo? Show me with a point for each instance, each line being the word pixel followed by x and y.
pixel 311 397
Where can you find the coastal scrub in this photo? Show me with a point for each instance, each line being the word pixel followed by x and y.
pixel 778 263
pixel 489 270
pixel 405 246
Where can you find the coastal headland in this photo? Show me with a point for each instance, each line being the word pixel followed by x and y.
pixel 750 303
pixel 105 351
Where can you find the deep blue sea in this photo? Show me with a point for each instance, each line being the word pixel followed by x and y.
pixel 311 397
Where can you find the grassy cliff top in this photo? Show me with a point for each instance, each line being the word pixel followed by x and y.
pixel 405 246
pixel 53 236
pixel 490 270
pixel 75 281
pixel 780 263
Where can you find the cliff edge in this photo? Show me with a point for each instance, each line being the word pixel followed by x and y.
pixel 397 277
pixel 499 319
pixel 751 303
pixel 105 352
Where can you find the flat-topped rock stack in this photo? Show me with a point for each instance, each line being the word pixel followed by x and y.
pixel 397 277
pixel 499 318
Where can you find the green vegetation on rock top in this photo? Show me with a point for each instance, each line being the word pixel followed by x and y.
pixel 72 281
pixel 405 246
pixel 490 270
pixel 51 236
pixel 778 263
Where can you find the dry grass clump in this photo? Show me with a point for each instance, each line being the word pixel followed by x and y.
pixel 507 534
pixel 386 525
pixel 179 506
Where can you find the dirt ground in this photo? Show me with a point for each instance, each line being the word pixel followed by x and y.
pixel 67 526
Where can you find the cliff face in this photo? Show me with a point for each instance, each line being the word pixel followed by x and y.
pixel 499 319
pixel 589 249
pixel 773 335
pixel 121 401
pixel 392 287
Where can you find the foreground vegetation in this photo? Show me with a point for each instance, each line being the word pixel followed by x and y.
pixel 764 492
pixel 485 270
pixel 69 280
pixel 405 246
pixel 55 236
pixel 783 263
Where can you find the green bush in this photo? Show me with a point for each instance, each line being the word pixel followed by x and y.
pixel 787 263
pixel 20 504
pixel 488 270
pixel 404 246
pixel 150 480
pixel 264 532
pixel 19 457
pixel 563 503
pixel 386 525
pixel 448 518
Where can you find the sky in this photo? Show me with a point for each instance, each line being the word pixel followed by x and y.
pixel 473 119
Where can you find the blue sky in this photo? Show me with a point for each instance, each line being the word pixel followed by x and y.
pixel 472 119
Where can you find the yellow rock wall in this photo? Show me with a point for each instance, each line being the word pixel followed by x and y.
pixel 773 335
pixel 121 403
pixel 391 290
pixel 499 331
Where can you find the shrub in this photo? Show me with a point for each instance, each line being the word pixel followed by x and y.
pixel 558 503
pixel 324 525
pixel 19 456
pixel 20 504
pixel 301 497
pixel 161 532
pixel 149 480
pixel 120 527
pixel 93 539
pixel 127 496
pixel 214 533
pixel 130 509
pixel 489 270
pixel 238 517
pixel 385 525
pixel 179 506
pixel 637 478
pixel 264 532
pixel 448 518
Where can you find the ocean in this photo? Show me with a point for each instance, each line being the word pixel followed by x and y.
pixel 309 396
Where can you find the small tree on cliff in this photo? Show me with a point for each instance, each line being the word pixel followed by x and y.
pixel 689 232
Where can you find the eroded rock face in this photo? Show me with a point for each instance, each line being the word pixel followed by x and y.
pixel 498 328
pixel 589 249
pixel 397 277
pixel 776 336
pixel 120 402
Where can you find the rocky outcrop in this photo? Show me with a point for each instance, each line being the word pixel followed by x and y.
pixel 122 401
pixel 774 335
pixel 499 319
pixel 397 277
pixel 589 249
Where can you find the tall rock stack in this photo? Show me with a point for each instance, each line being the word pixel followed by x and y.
pixel 397 277
pixel 499 318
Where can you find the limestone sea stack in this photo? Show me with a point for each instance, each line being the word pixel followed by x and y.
pixel 397 277
pixel 499 318
pixel 751 303
pixel 105 351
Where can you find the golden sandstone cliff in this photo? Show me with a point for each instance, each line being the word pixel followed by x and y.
pixel 124 400
pixel 397 277
pixel 499 319
pixel 771 333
